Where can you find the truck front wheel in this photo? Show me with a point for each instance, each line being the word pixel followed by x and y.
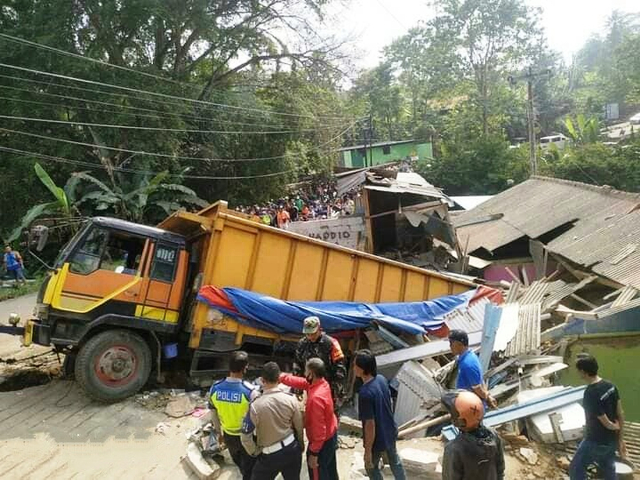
pixel 113 365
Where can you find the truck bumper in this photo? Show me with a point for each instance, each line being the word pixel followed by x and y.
pixel 32 332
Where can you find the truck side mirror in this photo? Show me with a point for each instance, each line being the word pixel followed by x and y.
pixel 38 236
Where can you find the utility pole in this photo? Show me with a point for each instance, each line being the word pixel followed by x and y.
pixel 370 140
pixel 530 76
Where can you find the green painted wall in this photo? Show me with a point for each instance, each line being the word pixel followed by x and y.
pixel 356 158
pixel 618 358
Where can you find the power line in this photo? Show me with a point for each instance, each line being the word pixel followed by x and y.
pixel 128 107
pixel 152 129
pixel 164 155
pixel 140 172
pixel 30 43
pixel 164 103
pixel 140 152
pixel 161 95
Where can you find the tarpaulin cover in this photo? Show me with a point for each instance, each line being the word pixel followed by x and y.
pixel 281 316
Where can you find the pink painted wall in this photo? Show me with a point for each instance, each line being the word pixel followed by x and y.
pixel 498 272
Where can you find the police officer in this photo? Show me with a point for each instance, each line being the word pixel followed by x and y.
pixel 273 430
pixel 229 402
pixel 317 344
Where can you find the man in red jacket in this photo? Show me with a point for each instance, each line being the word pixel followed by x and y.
pixel 319 420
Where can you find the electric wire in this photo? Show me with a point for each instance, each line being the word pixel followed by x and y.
pixel 160 95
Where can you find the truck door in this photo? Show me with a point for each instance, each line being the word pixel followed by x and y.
pixel 105 267
pixel 163 284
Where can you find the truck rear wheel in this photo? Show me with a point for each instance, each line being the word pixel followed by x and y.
pixel 113 365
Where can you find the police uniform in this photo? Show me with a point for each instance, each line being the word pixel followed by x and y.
pixel 230 398
pixel 273 431
pixel 328 350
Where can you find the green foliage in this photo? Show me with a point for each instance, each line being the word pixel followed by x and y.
pixel 63 205
pixel 601 165
pixel 484 166
pixel 583 130
pixel 263 59
pixel 142 199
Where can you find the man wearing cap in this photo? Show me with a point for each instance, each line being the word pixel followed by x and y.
pixel 317 344
pixel 469 369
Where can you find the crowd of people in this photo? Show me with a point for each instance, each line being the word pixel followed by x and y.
pixel 265 430
pixel 319 202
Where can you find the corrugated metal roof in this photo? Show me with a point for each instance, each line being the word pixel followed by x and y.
pixel 409 182
pixel 603 224
pixel 469 319
pixel 416 390
pixel 527 338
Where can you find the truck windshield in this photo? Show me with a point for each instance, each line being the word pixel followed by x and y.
pixel 68 248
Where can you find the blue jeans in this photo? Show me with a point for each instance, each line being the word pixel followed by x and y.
pixel 590 453
pixel 394 462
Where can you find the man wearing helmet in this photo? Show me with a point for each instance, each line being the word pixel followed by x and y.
pixel 477 452
pixel 317 344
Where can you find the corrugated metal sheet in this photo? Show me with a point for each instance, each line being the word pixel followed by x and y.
pixel 626 295
pixel 527 338
pixel 601 224
pixel 470 319
pixel 417 391
pixel 621 308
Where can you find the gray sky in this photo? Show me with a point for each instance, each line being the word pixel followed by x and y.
pixel 568 23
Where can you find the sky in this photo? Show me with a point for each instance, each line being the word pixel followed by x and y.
pixel 375 23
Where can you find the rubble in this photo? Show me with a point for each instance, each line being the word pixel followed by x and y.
pixel 421 462
pixel 203 468
pixel 180 406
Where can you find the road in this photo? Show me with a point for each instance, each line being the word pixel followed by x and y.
pixel 10 346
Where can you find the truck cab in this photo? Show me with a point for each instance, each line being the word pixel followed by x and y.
pixel 113 274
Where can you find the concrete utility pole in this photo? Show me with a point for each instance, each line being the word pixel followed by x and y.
pixel 530 76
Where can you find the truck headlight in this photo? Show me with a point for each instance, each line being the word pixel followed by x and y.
pixel 41 311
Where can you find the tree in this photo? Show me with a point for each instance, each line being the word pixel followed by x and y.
pixel 491 39
pixel 244 91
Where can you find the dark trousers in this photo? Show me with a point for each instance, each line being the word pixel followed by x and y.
pixel 327 465
pixel 241 458
pixel 287 461
pixel 590 453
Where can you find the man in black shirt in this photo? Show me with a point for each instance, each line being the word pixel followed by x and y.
pixel 604 422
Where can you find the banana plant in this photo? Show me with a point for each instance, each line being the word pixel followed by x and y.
pixel 584 130
pixel 144 199
pixel 64 203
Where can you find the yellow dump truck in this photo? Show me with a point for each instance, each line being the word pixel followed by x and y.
pixel 120 294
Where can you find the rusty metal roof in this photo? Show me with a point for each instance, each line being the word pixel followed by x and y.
pixel 603 224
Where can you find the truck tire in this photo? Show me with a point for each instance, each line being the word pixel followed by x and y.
pixel 113 365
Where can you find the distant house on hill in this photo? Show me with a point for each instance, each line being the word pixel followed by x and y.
pixel 384 152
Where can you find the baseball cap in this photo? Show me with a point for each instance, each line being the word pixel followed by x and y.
pixel 311 325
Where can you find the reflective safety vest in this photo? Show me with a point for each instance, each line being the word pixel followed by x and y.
pixel 231 400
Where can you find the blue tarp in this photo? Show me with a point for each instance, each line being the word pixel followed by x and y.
pixel 287 317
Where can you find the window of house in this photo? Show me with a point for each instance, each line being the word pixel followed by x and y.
pixel 164 263
pixel 386 150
